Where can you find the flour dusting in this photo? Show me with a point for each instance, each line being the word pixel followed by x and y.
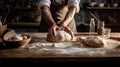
pixel 72 49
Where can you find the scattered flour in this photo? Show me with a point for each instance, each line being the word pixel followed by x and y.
pixel 73 51
pixel 66 48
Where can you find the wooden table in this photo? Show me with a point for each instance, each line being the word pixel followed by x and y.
pixel 83 54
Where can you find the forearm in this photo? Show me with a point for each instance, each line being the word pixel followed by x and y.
pixel 69 16
pixel 47 15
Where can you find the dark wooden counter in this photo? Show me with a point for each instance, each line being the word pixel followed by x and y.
pixel 67 54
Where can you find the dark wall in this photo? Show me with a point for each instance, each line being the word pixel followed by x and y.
pixel 82 18
pixel 110 16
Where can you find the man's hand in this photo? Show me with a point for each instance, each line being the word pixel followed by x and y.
pixel 51 33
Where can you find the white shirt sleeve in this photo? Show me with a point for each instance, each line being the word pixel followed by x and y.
pixel 74 3
pixel 44 2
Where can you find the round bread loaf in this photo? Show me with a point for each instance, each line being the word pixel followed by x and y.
pixel 93 41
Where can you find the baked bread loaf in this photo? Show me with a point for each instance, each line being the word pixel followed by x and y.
pixel 93 41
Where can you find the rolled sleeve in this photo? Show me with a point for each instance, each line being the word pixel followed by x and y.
pixel 74 3
pixel 44 2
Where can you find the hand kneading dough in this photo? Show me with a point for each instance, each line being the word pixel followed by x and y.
pixel 61 35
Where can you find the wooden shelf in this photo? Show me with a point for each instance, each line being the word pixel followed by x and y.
pixel 24 24
pixel 104 8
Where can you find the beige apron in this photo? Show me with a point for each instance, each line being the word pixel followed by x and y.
pixel 58 9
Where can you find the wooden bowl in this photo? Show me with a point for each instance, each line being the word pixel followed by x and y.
pixel 15 44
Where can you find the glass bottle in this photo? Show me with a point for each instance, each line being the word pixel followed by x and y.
pixel 0 23
pixel 92 26
pixel 100 28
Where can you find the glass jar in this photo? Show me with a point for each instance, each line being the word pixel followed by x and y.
pixel 100 27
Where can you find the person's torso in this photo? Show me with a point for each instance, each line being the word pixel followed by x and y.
pixel 59 9
pixel 59 2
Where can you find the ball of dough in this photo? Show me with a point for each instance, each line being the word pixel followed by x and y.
pixel 18 38
pixel 61 35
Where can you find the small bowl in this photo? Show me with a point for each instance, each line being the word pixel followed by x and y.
pixel 92 4
pixel 15 44
pixel 115 5
pixel 101 5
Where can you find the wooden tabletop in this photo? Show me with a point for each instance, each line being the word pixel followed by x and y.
pixel 73 51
